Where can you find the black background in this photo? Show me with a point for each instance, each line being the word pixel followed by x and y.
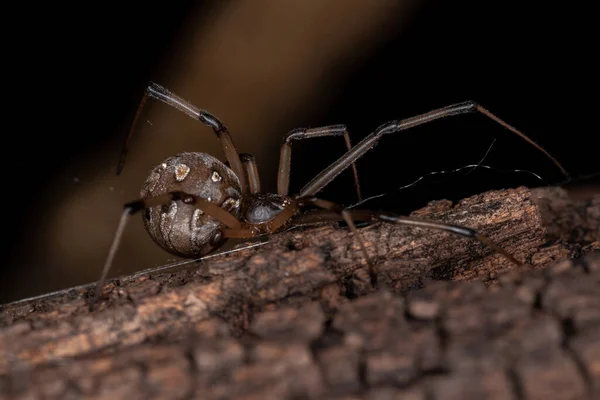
pixel 75 76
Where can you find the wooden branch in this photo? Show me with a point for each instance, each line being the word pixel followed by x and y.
pixel 298 318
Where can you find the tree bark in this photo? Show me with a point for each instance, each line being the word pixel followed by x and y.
pixel 297 317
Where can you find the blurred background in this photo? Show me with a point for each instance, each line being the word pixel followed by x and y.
pixel 76 75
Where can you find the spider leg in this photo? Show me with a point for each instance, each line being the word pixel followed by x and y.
pixel 158 92
pixel 285 158
pixel 239 233
pixel 348 218
pixel 329 173
pixel 333 212
pixel 251 171
pixel 138 205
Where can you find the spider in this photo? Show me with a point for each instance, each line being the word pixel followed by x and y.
pixel 192 202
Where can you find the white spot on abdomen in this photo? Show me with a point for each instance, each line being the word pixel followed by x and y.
pixel 181 171
pixel 215 177
pixel 195 222
pixel 230 204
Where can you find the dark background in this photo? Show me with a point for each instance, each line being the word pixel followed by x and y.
pixel 76 76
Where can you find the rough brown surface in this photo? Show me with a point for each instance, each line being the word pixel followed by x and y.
pixel 296 318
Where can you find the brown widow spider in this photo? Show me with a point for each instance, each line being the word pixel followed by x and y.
pixel 193 202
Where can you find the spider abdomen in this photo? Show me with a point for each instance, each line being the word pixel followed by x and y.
pixel 184 229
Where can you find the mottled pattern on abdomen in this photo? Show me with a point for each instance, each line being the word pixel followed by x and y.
pixel 183 229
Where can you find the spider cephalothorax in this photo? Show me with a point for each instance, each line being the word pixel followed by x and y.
pixel 193 202
pixel 262 208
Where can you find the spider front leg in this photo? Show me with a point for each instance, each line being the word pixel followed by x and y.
pixel 285 158
pixel 205 206
pixel 334 212
pixel 158 92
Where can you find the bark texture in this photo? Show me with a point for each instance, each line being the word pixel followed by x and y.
pixel 297 317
